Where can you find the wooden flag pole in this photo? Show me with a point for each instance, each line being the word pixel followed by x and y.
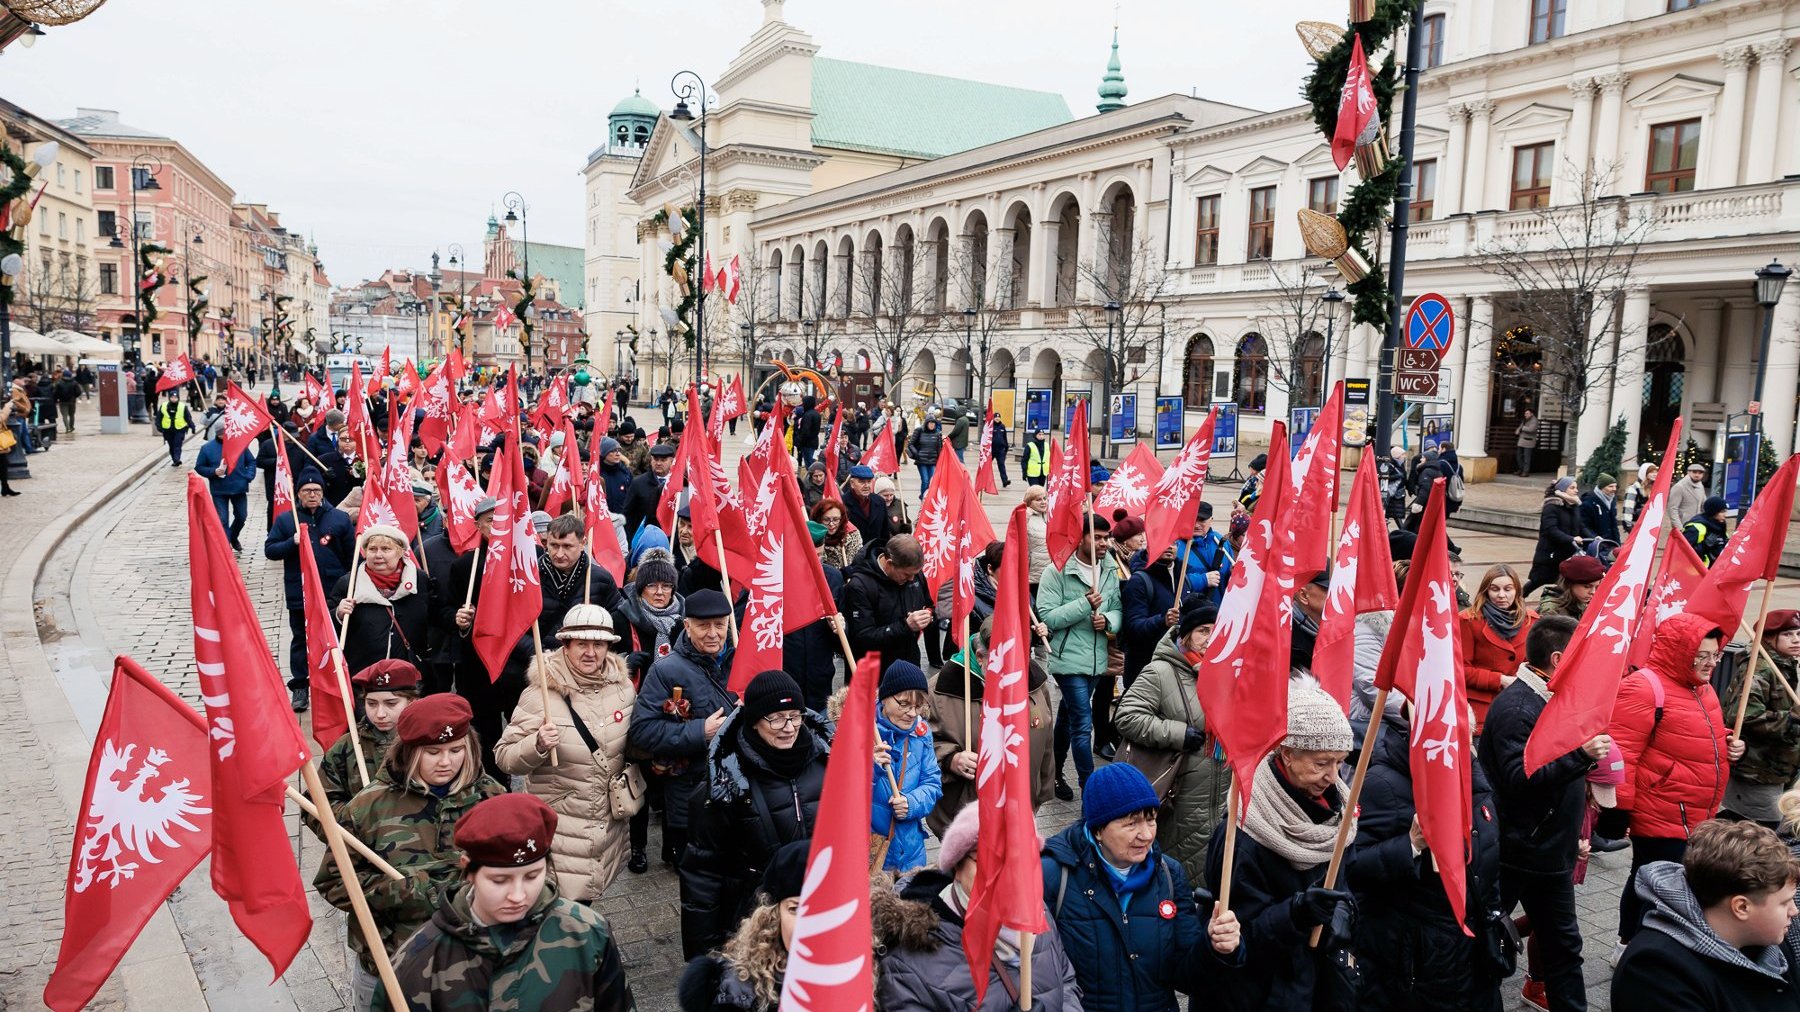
pixel 587 585
pixel 355 575
pixel 474 575
pixel 359 904
pixel 1230 863
pixel 1180 587
pixel 725 578
pixel 968 691
pixel 537 661
pixel 1762 621
pixel 1757 652
pixel 343 680
pixel 323 470
pixel 1025 941
pixel 361 848
pixel 1348 820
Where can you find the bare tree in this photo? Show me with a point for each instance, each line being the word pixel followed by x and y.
pixel 1566 272
pixel 1292 324
pixel 58 298
pixel 1135 282
pixel 892 309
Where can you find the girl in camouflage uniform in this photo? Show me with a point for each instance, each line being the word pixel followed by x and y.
pixel 383 689
pixel 430 778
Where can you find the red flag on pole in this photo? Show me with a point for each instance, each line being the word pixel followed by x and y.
pixel 1243 682
pixel 145 821
pixel 707 281
pixel 1129 487
pixel 256 745
pixel 882 459
pixel 1362 579
pixel 245 418
pixel 410 382
pixel 984 457
pixel 465 436
pixel 733 280
pixel 364 444
pixel 1175 498
pixel 553 407
pixel 834 447
pixel 330 720
pixel 395 479
pixel 952 530
pixel 787 585
pixel 437 400
pixel 1009 885
pixel 1682 572
pixel 568 483
pixel 1356 120
pixel 511 595
pixel 1753 553
pixel 460 495
pixel 1313 487
pixel 175 374
pixel 598 520
pixel 1585 683
pixel 454 366
pixel 1423 659
pixel 1067 490
pixel 284 480
pixel 677 480
pixel 830 965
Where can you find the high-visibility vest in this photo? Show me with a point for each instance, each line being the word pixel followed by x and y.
pixel 1035 462
pixel 179 421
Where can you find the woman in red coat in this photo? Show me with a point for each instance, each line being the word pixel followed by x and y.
pixel 1493 637
pixel 1677 747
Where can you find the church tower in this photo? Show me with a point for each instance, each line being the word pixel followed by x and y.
pixel 610 241
pixel 1112 84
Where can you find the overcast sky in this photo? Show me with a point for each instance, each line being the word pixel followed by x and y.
pixel 389 128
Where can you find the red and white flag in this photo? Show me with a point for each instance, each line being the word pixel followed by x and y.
pixel 553 407
pixel 733 279
pixel 387 491
pixel 465 436
pixel 1243 680
pixel 504 317
pixel 570 479
pixel 787 585
pixel 1175 498
pixel 830 966
pixel 1067 490
pixel 1681 574
pixel 952 530
pixel 410 383
pixel 1129 487
pixel 881 457
pixel 460 495
pixel 1356 120
pixel 1423 659
pixel 256 745
pixel 245 418
pixel 1362 579
pixel 1313 487
pixel 677 480
pixel 455 368
pixel 330 718
pixel 1009 885
pixel 145 821
pixel 284 481
pixel 511 595
pixel 438 402
pixel 175 373
pixel 319 396
pixel 597 518
pixel 364 445
pixel 1585 683
pixel 985 484
pixel 1753 553
pixel 834 448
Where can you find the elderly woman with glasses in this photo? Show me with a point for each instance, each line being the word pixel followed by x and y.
pixel 907 781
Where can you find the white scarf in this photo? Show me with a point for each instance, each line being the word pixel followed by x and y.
pixel 1278 823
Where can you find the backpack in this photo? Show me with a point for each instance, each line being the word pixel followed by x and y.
pixel 1453 488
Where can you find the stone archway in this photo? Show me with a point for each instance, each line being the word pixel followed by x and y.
pixel 1665 376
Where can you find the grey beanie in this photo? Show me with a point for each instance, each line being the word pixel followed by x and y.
pixel 608 445
pixel 1316 723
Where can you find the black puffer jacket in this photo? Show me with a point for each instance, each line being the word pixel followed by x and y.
pixel 747 812
pixel 1540 815
pixel 1414 952
pixel 400 627
pixel 926 444
pixel 875 610
pixel 676 743
pixel 1559 524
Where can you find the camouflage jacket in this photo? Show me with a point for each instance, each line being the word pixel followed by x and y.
pixel 560 957
pixel 1771 730
pixel 411 829
pixel 1557 601
pixel 338 772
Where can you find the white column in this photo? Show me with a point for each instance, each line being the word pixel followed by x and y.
pixel 1581 128
pixel 1448 199
pixel 1474 194
pixel 1040 262
pixel 1770 58
pixel 1727 141
pixel 1700 383
pixel 1606 138
pixel 1628 369
pixel 925 272
pixel 1783 376
pixel 999 269
pixel 1478 359
pixel 1597 416
pixel 1099 250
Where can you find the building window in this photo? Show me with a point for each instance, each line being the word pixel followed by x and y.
pixel 141 178
pixel 103 177
pixel 1197 373
pixel 1250 381
pixel 1424 189
pixel 1547 19
pixel 1434 40
pixel 1321 195
pixel 1206 231
pixel 81 230
pixel 1262 223
pixel 146 225
pixel 1310 391
pixel 77 180
pixel 107 222
pixel 1682 5
pixel 1532 166
pixel 1674 151
pixel 109 279
pixel 62 175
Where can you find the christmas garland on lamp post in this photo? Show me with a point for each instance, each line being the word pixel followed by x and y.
pixel 1351 242
pixel 678 263
pixel 150 258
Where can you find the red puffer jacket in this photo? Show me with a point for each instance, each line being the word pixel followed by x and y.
pixel 1675 769
pixel 1487 658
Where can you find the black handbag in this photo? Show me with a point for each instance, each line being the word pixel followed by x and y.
pixel 1498 949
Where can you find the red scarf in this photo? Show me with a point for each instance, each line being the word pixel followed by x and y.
pixel 387 583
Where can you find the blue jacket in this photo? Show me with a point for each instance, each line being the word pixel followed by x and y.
pixel 236 481
pixel 1211 554
pixel 1127 961
pixel 1146 597
pixel 677 745
pixel 916 768
pixel 333 536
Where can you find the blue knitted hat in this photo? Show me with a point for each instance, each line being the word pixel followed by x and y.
pixel 1114 791
pixel 902 676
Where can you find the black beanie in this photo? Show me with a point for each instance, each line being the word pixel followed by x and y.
pixel 787 871
pixel 656 566
pixel 771 692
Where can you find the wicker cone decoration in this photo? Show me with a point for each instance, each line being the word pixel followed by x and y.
pixel 1324 237
pixel 1319 37
pixel 52 12
pixel 1372 157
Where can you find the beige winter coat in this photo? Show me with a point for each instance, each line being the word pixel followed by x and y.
pixel 590 845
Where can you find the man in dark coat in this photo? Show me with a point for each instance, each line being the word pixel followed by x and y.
pixel 333 536
pixel 324 445
pixel 646 489
pixel 1540 815
pixel 569 577
pixel 615 475
pixel 886 604
pixel 866 511
pixel 807 424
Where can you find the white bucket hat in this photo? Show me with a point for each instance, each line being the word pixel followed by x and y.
pixel 587 622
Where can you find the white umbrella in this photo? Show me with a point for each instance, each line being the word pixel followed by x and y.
pixel 26 341
pixel 87 345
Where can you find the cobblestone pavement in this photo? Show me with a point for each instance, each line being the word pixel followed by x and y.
pixel 119 584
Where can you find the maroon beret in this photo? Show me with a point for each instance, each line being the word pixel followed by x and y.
pixel 507 831
pixel 435 720
pixel 1781 620
pixel 1582 569
pixel 390 674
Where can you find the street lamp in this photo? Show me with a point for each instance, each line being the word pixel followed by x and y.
pixel 1112 321
pixel 1331 298
pixel 457 257
pixel 749 332
pixel 1769 282
pixel 515 214
pixel 149 165
pixel 807 353
pixel 969 353
pixel 688 85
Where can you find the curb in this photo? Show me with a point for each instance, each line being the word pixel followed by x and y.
pixel 156 971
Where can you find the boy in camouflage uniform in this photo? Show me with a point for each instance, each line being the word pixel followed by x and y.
pixel 1771 726
pixel 504 941
pixel 383 690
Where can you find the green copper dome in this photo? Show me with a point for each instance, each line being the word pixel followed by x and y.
pixel 1112 85
pixel 635 104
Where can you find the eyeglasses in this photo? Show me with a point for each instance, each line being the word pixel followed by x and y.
pixel 905 707
pixel 782 721
pixel 1707 659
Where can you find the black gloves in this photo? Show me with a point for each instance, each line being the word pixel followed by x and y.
pixel 1194 740
pixel 1319 905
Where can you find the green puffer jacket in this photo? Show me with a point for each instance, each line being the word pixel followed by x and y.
pixel 1156 712
pixel 1076 647
pixel 1771 730
pixel 561 956
pixel 412 830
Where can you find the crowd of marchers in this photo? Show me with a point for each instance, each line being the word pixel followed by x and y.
pixel 511 802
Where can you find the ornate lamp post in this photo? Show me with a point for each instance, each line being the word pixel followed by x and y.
pixel 515 213
pixel 1113 325
pixel 1331 298
pixel 1769 282
pixel 688 85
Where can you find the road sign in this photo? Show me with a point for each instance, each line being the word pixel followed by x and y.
pixel 1416 384
pixel 1430 324
pixel 1420 360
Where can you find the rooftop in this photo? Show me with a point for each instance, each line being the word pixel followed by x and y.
pixel 565 265
pixel 863 107
pixel 105 123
